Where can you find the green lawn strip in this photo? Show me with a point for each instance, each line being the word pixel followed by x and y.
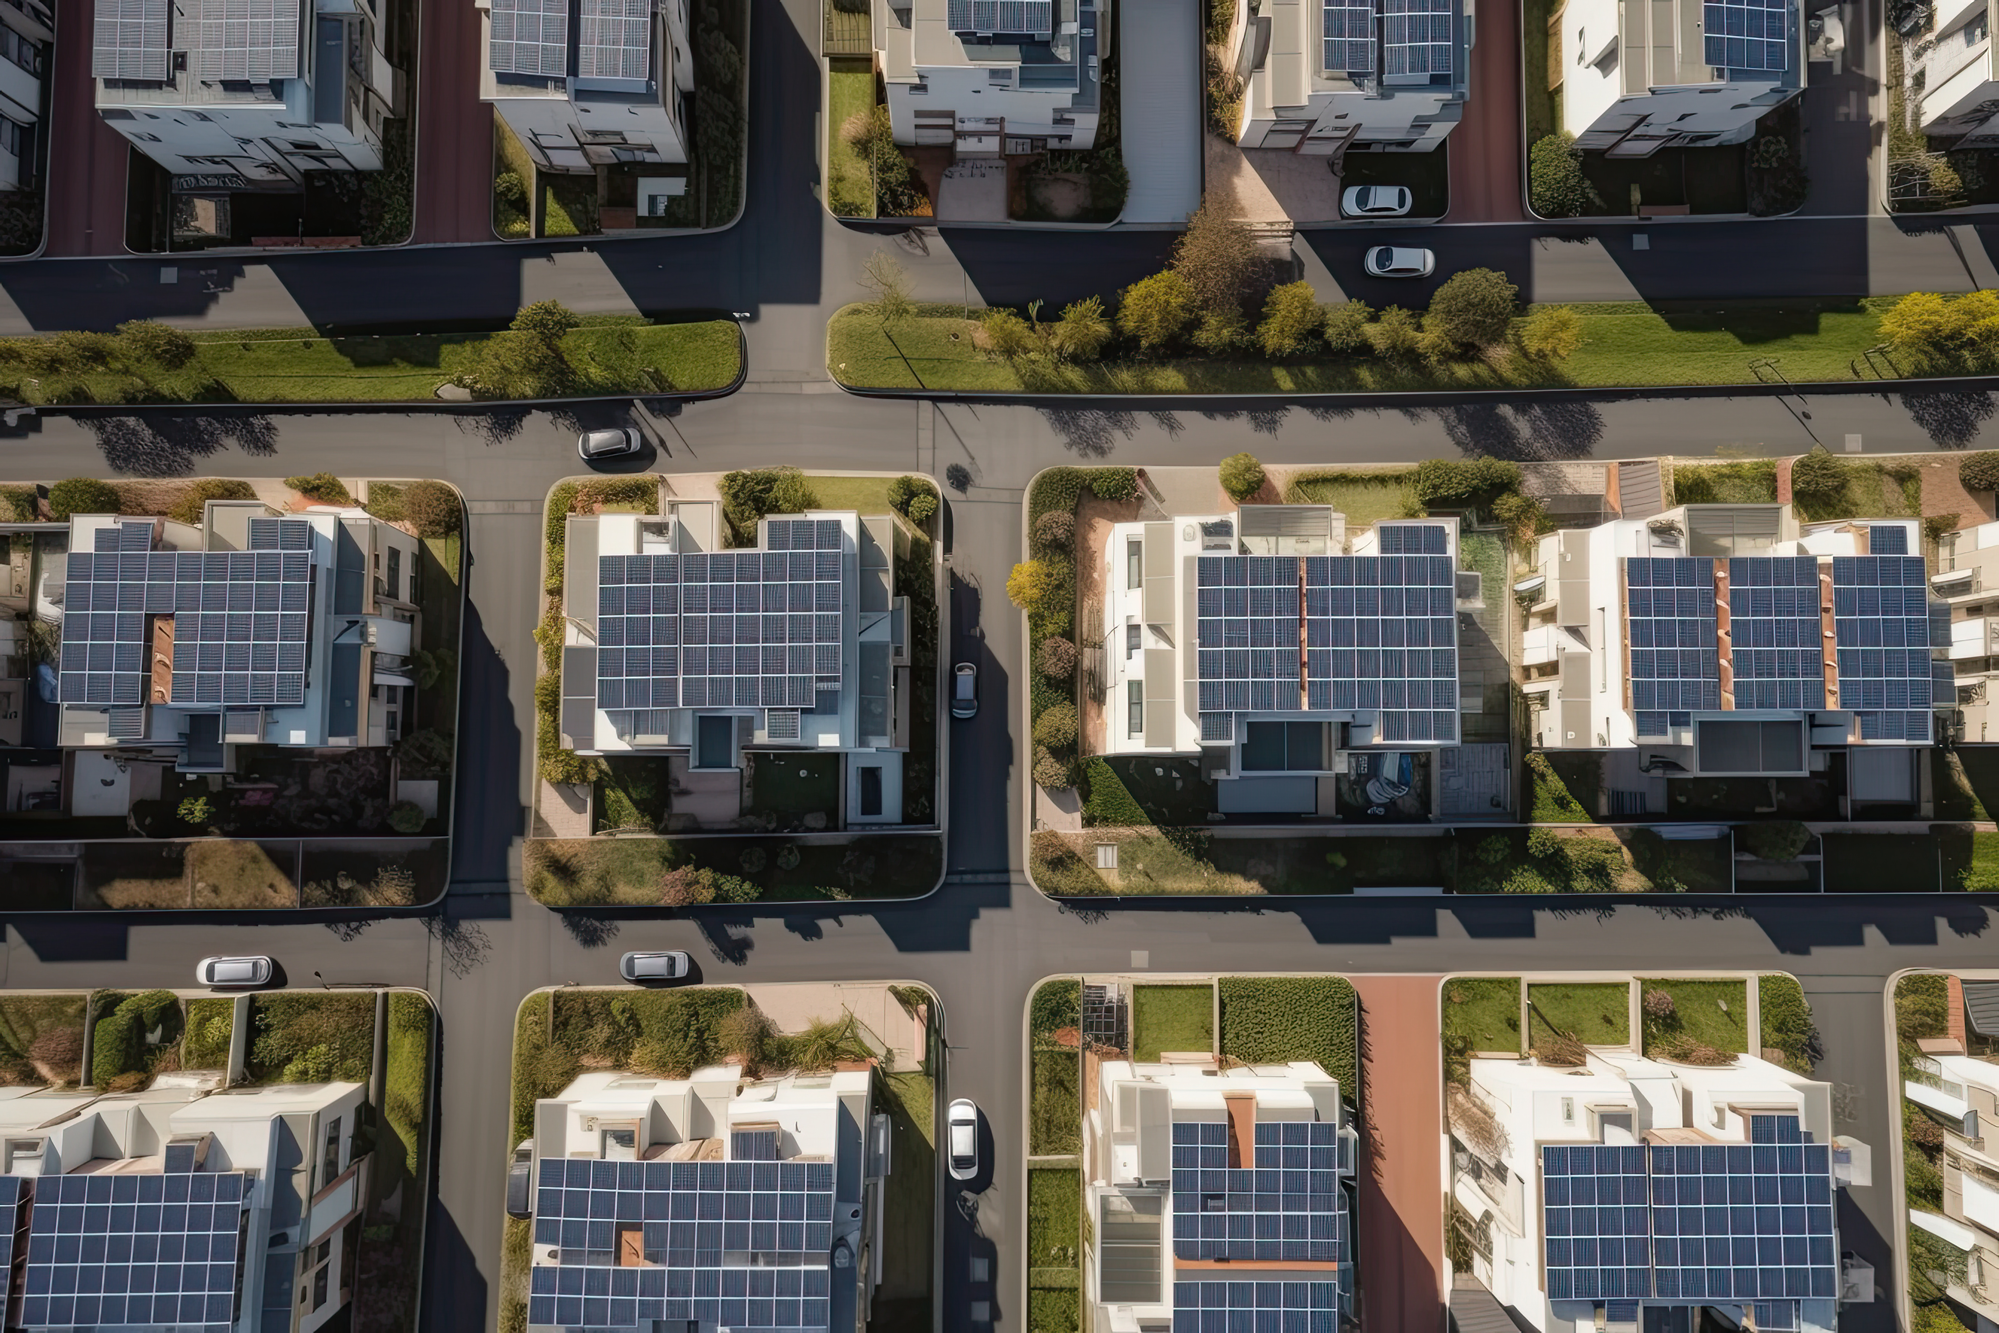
pixel 1623 344
pixel 1055 1004
pixel 849 92
pixel 1054 1226
pixel 1873 490
pixel 308 1038
pixel 1054 1118
pixel 1274 1020
pixel 1594 1013
pixel 391 1246
pixel 599 872
pixel 41 1039
pixel 1971 860
pixel 1881 863
pixel 1364 497
pixel 1562 786
pixel 228 873
pixel 204 1038
pixel 1980 765
pixel 1956 796
pixel 1171 1018
pixel 1751 481
pixel 1482 1014
pixel 863 495
pixel 1786 1018
pixel 909 1199
pixel 1701 865
pixel 1698 1014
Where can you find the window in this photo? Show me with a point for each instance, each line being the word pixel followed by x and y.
pixel 1107 856
pixel 871 792
pixel 329 1157
pixel 621 1145
pixel 319 1285
pixel 17 139
pixel 1131 637
pixel 301 146
pixel 1134 694
pixel 1001 78
pixel 1134 564
pixel 21 50
pixel 920 88
pixel 1568 1110
pixel 395 574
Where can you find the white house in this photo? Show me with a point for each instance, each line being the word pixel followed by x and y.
pixel 708 1201
pixel 1641 75
pixel 987 77
pixel 1329 76
pixel 1954 1084
pixel 1967 579
pixel 1960 86
pixel 27 35
pixel 228 100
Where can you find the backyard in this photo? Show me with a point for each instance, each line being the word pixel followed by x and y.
pixel 1364 497
pixel 1595 1014
pixel 601 872
pixel 1054 1249
pixel 1481 1014
pixel 1171 1018
pixel 1679 1014
pixel 850 92
pixel 1275 1020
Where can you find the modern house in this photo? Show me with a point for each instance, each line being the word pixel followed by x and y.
pixel 229 98
pixel 1954 1085
pixel 27 36
pixel 1967 579
pixel 1325 77
pixel 181 644
pixel 606 83
pixel 1959 85
pixel 231 1211
pixel 710 1201
pixel 678 648
pixel 1735 640
pixel 1279 646
pixel 1641 75
pixel 1217 1197
pixel 988 77
pixel 1624 1194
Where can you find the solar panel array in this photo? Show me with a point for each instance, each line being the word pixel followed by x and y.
pixel 614 39
pixel 741 629
pixel 135 1249
pixel 255 40
pixel 1598 1241
pixel 240 618
pixel 1776 636
pixel 1747 34
pixel 1285 1206
pixel 987 17
pixel 1882 629
pixel 1349 36
pixel 1381 633
pixel 128 40
pixel 1415 37
pixel 530 37
pixel 1887 539
pixel 1669 621
pixel 740 1244
pixel 1246 633
pixel 10 1219
pixel 1252 1307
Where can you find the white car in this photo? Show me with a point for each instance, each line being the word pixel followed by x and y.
pixel 965 690
pixel 961 1125
pixel 595 446
pixel 1393 261
pixel 643 967
pixel 1374 201
pixel 222 972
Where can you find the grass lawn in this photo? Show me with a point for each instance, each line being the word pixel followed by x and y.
pixel 392 1243
pixel 1594 1013
pixel 1054 1223
pixel 1274 1020
pixel 1055 1108
pixel 632 794
pixel 1957 796
pixel 910 1198
pixel 243 874
pixel 1624 343
pixel 796 784
pixel 1873 490
pixel 1364 497
pixel 1698 1013
pixel 1481 1014
pixel 1752 481
pixel 1880 863
pixel 866 495
pixel 1970 859
pixel 133 876
pixel 602 872
pixel 1542 105
pixel 1562 786
pixel 1704 865
pixel 1171 1018
pixel 850 91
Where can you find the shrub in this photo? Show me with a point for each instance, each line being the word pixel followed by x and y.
pixel 323 487
pixel 1056 728
pixel 1456 483
pixel 1774 840
pixel 20 504
pixel 1979 471
pixel 1657 1004
pixel 1787 1021
pixel 744 1033
pixel 1082 331
pixel 904 489
pixel 1056 530
pixel 146 341
pixel 433 508
pixel 433 665
pixel 1156 310
pixel 1345 327
pixel 425 754
pixel 1818 477
pixel 1035 585
pixel 1216 257
pixel 1241 476
pixel 1008 335
pixel 407 818
pixel 1114 484
pixel 1522 515
pixel 189 508
pixel 1543 843
pixel 753 860
pixel 1051 771
pixel 922 509
pixel 1053 1006
pixel 1110 802
pixel 197 810
pixel 1556 186
pixel 1395 335
pixel 1690 1051
pixel 1221 332
pixel 686 886
pixel 1056 659
pixel 1552 333
pixel 1473 308
pixel 1274 1020
pixel 747 497
pixel 82 495
pixel 1291 318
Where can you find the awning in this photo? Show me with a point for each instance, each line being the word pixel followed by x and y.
pixel 1981 1006
pixel 391 678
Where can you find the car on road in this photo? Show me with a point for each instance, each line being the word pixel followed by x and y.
pixel 962 1139
pixel 520 1188
pixel 965 690
pixel 233 971
pixel 1374 201
pixel 1394 261
pixel 597 445
pixel 639 968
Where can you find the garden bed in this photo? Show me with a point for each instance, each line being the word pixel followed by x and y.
pixel 1275 1020
pixel 392 1234
pixel 1054 1249
pixel 1881 863
pixel 41 1040
pixel 602 872
pixel 305 1038
pixel 1171 1018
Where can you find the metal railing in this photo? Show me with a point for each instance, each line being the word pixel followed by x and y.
pixel 1926 1071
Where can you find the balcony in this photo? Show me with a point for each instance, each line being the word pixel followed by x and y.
pixel 1929 1086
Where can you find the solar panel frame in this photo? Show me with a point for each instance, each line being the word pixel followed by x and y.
pixel 129 40
pixel 1416 37
pixel 1348 37
pixel 1381 634
pixel 529 37
pixel 250 40
pixel 614 39
pixel 1776 634
pixel 1287 1205
pixel 1748 35
pixel 1597 1244
pixel 1238 1306
pixel 1673 653
pixel 1882 634
pixel 1246 633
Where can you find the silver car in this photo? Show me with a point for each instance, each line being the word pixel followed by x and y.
pixel 965 690
pixel 639 968
pixel 1393 261
pixel 1374 201
pixel 962 1139
pixel 597 445
pixel 230 972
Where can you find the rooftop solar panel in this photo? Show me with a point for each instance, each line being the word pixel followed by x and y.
pixel 1349 37
pixel 1598 1244
pixel 1246 633
pixel 1415 37
pixel 1230 1307
pixel 1381 633
pixel 530 37
pixel 129 40
pixel 1882 626
pixel 1747 34
pixel 1286 1205
pixel 614 39
pixel 1777 646
pixel 252 40
pixel 1675 662
pixel 1887 539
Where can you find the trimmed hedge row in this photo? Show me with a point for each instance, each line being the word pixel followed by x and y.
pixel 1271 1020
pixel 1787 1021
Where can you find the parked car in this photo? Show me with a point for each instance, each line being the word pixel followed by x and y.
pixel 1374 201
pixel 639 968
pixel 1393 261
pixel 965 690
pixel 597 445
pixel 233 971
pixel 962 1140
pixel 520 1184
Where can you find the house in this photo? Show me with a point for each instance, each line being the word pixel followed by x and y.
pixel 1279 646
pixel 27 35
pixel 232 1211
pixel 1345 76
pixel 986 77
pixel 182 643
pixel 1249 1169
pixel 1735 640
pixel 1954 1086
pixel 607 84
pixel 1957 95
pixel 678 648
pixel 1967 579
pixel 1621 1193
pixel 1641 75
pixel 708 1201
pixel 230 100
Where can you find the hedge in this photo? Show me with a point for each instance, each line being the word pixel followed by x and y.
pixel 1057 871
pixel 118 1046
pixel 1787 1021
pixel 1056 1004
pixel 1271 1020
pixel 1111 803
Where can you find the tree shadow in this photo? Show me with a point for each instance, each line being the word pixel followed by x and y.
pixel 1952 418
pixel 1169 422
pixel 591 932
pixel 497 426
pixel 465 943
pixel 1090 432
pixel 164 445
pixel 1528 433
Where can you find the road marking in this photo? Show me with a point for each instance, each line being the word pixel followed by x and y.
pixel 1141 958
pixel 1853 444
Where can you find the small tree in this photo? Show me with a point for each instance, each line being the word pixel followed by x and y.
pixel 548 322
pixel 433 509
pixel 1291 319
pixel 1552 333
pixel 1522 515
pixel 1463 483
pixel 1979 471
pixel 1082 331
pixel 1032 585
pixel 1052 772
pixel 1556 186
pixel 82 495
pixel 1473 308
pixel 1242 476
pixel 1055 530
pixel 146 341
pixel 323 487
pixel 198 811
pixel 1345 329
pixel 1008 335
pixel 406 817
pixel 1156 310
pixel 1922 324
pixel 1395 335
pixel 1056 727
pixel 1056 659
pixel 1221 332
pixel 1216 257
pixel 922 509
pixel 1818 478
pixel 883 276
